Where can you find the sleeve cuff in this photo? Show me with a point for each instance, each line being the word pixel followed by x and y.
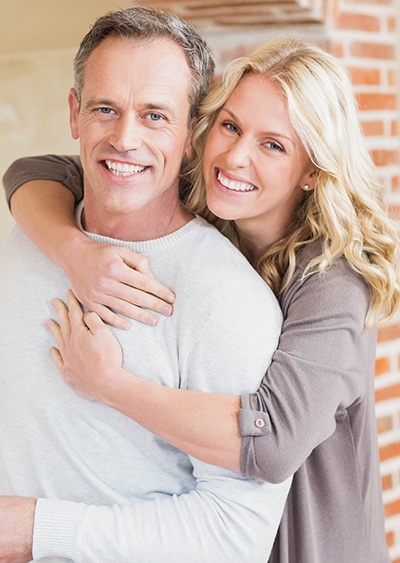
pixel 251 422
pixel 55 527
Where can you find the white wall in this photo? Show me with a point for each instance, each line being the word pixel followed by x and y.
pixel 37 47
pixel 33 110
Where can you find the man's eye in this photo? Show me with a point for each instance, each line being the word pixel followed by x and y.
pixel 155 117
pixel 105 111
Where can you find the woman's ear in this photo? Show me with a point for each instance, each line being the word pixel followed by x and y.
pixel 309 180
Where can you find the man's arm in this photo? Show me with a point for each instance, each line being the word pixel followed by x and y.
pixel 16 529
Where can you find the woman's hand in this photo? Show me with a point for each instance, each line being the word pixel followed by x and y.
pixel 113 281
pixel 88 354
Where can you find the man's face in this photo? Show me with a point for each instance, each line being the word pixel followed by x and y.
pixel 133 127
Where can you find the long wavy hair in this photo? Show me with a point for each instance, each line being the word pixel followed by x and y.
pixel 346 211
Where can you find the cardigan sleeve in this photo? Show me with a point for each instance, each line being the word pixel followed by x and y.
pixel 64 169
pixel 322 366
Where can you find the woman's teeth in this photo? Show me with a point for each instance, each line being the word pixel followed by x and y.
pixel 233 185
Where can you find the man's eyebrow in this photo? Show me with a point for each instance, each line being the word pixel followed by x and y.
pixel 156 106
pixel 99 102
pixel 160 106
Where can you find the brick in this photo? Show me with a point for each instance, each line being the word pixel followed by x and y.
pixel 390 539
pixel 372 50
pixel 367 76
pixel 396 183
pixel 389 332
pixel 387 393
pixel 387 482
pixel 392 77
pixel 394 128
pixel 367 2
pixel 384 424
pixel 389 451
pixel 376 100
pixel 394 212
pixel 353 21
pixel 392 508
pixel 391 24
pixel 372 128
pixel 337 50
pixel 382 365
pixel 386 158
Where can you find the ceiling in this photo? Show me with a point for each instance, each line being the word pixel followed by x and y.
pixel 47 24
pixel 30 25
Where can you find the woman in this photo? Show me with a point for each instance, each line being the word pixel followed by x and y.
pixel 329 251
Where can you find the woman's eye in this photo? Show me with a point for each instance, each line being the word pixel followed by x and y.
pixel 274 146
pixel 230 126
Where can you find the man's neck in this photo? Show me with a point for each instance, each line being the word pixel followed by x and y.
pixel 142 225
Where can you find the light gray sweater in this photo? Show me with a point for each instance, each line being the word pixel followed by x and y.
pixel 109 490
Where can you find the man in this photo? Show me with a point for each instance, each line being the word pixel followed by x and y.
pixel 84 482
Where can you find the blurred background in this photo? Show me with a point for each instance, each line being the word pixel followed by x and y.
pixel 39 39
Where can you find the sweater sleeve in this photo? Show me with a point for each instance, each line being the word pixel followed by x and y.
pixel 64 169
pixel 319 370
pixel 227 518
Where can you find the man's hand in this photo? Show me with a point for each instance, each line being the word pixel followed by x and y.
pixel 16 529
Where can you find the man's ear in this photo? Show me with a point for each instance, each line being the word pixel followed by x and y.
pixel 73 113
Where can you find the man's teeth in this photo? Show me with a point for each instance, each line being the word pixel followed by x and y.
pixel 235 186
pixel 119 169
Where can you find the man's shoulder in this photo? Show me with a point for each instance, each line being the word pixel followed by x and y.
pixel 217 273
pixel 217 257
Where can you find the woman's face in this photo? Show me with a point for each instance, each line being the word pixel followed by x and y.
pixel 254 164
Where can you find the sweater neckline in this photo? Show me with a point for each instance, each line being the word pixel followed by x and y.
pixel 145 245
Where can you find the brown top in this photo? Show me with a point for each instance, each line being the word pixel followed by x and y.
pixel 317 403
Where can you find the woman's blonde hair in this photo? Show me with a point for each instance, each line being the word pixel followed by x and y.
pixel 346 211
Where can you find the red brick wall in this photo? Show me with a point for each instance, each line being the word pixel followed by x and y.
pixel 363 34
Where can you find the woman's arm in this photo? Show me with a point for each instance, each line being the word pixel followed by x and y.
pixel 90 359
pixel 278 427
pixel 107 279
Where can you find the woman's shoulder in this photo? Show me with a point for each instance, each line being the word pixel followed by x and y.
pixel 339 267
pixel 340 285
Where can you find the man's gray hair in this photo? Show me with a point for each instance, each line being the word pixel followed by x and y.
pixel 146 24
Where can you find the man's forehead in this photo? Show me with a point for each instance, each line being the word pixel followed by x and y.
pixel 156 71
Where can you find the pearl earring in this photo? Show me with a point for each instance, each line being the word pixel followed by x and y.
pixel 306 187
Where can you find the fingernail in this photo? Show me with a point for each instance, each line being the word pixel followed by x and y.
pixel 170 297
pixel 166 310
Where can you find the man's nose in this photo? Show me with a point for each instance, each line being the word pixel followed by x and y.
pixel 126 133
